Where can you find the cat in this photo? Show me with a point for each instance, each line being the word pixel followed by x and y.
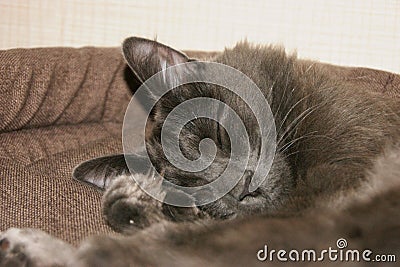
pixel 334 174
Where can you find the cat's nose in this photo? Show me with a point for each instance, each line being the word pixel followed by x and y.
pixel 247 179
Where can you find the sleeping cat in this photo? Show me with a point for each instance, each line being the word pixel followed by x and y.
pixel 334 174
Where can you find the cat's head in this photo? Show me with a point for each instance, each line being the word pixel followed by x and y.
pixel 146 58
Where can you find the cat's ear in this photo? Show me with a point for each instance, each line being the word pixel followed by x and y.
pixel 100 172
pixel 146 57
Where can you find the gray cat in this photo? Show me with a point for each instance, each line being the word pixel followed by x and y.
pixel 335 173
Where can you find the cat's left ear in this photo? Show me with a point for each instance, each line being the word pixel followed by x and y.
pixel 100 172
pixel 146 58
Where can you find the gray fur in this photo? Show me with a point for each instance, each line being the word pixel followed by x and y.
pixel 331 176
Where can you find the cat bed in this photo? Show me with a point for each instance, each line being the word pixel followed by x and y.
pixel 61 106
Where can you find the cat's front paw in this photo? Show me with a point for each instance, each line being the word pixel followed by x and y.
pixel 126 207
pixel 33 247
pixel 106 251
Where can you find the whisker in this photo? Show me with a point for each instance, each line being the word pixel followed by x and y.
pixel 296 122
pixel 281 100
pixel 290 110
pixel 271 89
pixel 287 145
pixel 298 102
pixel 309 68
pixel 298 151
pixel 285 91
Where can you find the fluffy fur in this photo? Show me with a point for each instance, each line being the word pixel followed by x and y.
pixel 335 173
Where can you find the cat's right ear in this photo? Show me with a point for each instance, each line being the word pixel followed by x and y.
pixel 146 58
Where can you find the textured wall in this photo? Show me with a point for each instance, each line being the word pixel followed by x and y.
pixel 347 32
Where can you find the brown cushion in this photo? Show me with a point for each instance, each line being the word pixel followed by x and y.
pixel 60 106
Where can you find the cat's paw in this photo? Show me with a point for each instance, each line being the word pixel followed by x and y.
pixel 126 207
pixel 33 247
pixel 106 251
